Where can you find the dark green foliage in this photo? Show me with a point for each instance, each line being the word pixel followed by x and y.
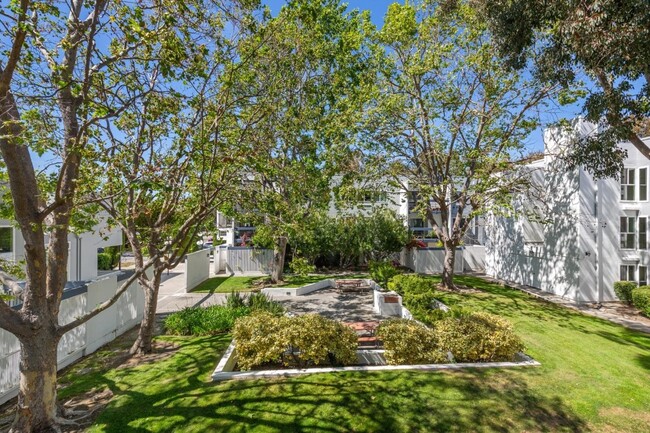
pixel 348 241
pixel 217 319
pixel 213 320
pixel 254 301
pixel 623 290
pixel 641 299
pixel 104 262
pixel 382 272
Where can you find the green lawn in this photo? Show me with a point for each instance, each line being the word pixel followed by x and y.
pixel 245 284
pixel 226 285
pixel 594 377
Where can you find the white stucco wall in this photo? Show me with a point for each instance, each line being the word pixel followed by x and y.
pixel 197 269
pixel 579 254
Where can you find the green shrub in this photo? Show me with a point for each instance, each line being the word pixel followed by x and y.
pixel 382 272
pixel 235 300
pixel 298 341
pixel 410 283
pixel 623 290
pixel 104 262
pixel 262 302
pixel 257 339
pixel 301 266
pixel 212 320
pixel 408 342
pixel 418 302
pixel 641 299
pixel 314 339
pixel 431 316
pixel 478 337
pixel 254 301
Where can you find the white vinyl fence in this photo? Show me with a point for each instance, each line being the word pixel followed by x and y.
pixel 197 269
pixel 83 340
pixel 244 260
pixel 431 260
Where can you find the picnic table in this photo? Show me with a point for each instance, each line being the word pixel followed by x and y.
pixel 351 285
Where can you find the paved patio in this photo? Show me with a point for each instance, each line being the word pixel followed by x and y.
pixel 343 306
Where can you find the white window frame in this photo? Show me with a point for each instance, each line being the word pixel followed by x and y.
pixel 628 181
pixel 625 270
pixel 645 169
pixel 642 236
pixel 643 279
pixel 625 235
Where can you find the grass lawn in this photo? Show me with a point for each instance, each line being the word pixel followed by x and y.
pixel 594 377
pixel 245 284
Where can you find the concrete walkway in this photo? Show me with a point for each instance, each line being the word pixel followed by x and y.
pixel 602 313
pixel 172 296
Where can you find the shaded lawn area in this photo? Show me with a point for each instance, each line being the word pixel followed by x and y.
pixel 593 377
pixel 246 284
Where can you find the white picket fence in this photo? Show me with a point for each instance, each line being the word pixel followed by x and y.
pixel 83 340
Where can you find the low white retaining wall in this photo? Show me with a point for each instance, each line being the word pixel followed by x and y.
pixel 83 340
pixel 387 303
pixel 197 269
pixel 299 291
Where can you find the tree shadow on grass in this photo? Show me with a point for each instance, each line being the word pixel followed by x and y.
pixel 176 396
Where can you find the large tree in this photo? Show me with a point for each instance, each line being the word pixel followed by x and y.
pixel 311 73
pixel 53 92
pixel 171 160
pixel 449 118
pixel 606 40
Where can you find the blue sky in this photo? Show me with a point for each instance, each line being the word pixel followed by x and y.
pixel 377 8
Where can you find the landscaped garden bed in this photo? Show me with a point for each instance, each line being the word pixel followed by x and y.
pixel 267 345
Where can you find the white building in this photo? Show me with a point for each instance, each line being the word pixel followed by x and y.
pixel 589 233
pixel 82 252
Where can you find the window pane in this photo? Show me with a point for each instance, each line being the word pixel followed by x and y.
pixel 6 239
pixel 643 184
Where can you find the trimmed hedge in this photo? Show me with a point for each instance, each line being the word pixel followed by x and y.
pixel 408 342
pixel 641 299
pixel 298 341
pixel 478 337
pixel 623 290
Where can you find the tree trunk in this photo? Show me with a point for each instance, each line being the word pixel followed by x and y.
pixel 36 409
pixel 279 250
pixel 448 266
pixel 143 344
